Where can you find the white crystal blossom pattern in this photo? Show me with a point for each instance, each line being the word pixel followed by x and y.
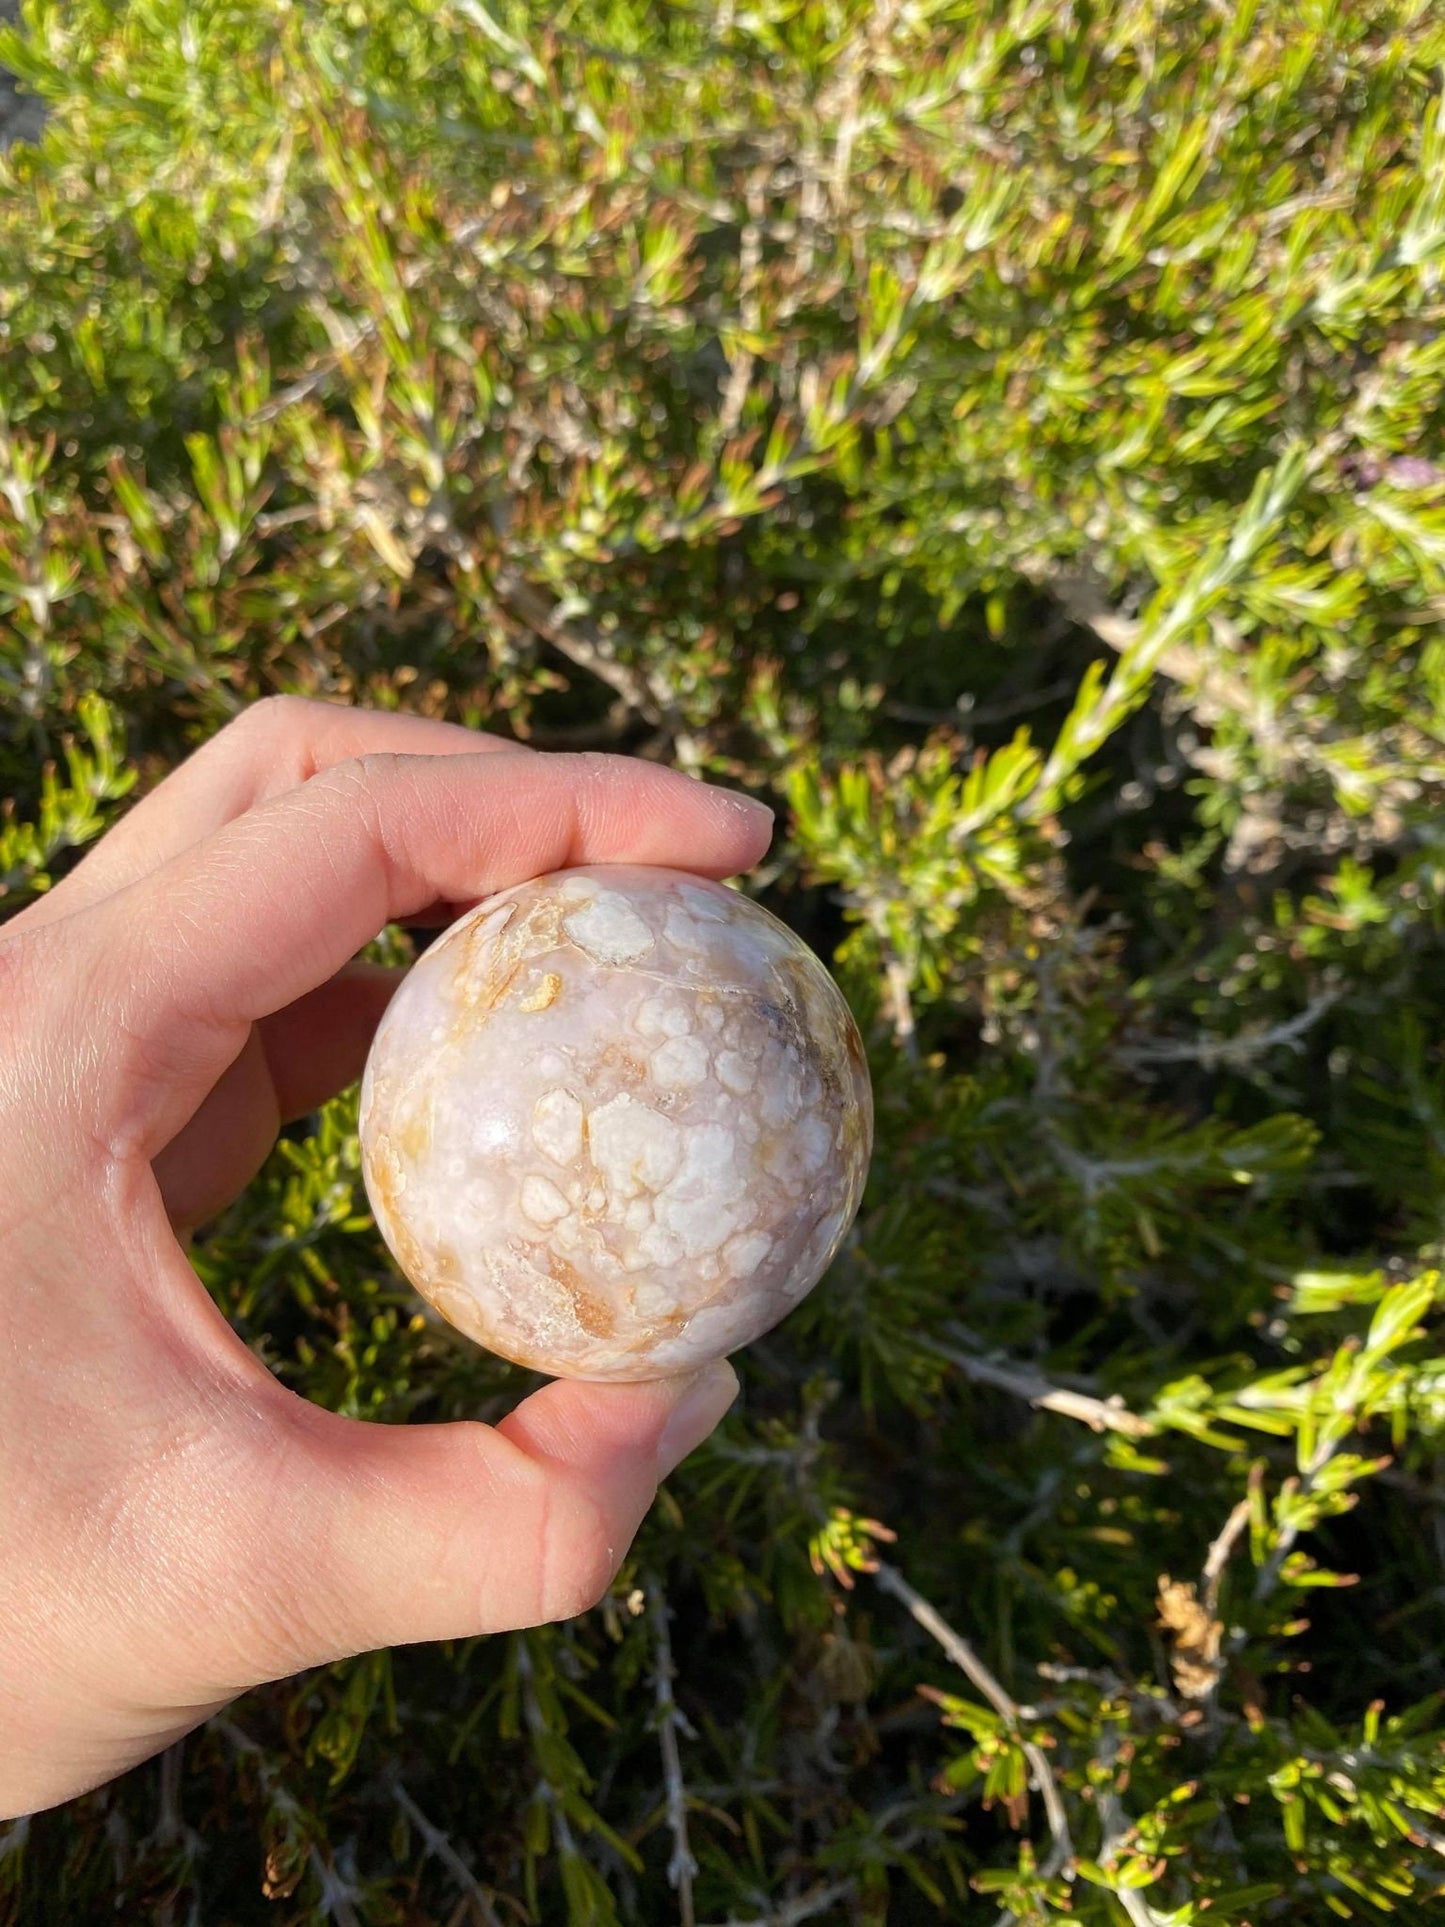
pixel 616 1122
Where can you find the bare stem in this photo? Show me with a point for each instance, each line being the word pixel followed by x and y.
pixel 793 1912
pixel 1099 1414
pixel 670 1723
pixel 1213 1053
pixel 1217 1558
pixel 583 646
pixel 750 260
pixel 904 1031
pixel 896 978
pixel 968 1662
pixel 1117 1826
pixel 1268 1575
pixel 435 1841
pixel 818 1900
pixel 169 1825
pixel 337 1892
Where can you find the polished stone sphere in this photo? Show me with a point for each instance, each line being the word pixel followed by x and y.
pixel 616 1122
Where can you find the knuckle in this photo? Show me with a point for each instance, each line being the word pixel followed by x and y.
pixel 17 948
pixel 598 766
pixel 581 1555
pixel 365 787
pixel 21 976
pixel 373 794
pixel 355 775
pixel 57 1028
pixel 264 734
pixel 270 716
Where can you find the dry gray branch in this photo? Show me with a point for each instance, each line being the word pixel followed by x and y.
pixel 1217 1558
pixel 1213 1053
pixel 967 1660
pixel 671 1722
pixel 1189 1614
pixel 1099 1414
pixel 436 1842
pixel 337 1892
pixel 1117 1826
pixel 905 1033
pixel 794 1912
pixel 22 116
pixel 791 1913
pixel 581 643
pixel 1082 593
pixel 750 259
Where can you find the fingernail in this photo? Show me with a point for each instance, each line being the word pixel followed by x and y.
pixel 701 1402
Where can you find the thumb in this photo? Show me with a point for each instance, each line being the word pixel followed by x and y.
pixel 381 1535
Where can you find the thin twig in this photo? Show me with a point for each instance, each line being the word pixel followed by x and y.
pixel 905 1031
pixel 1297 740
pixel 1099 1414
pixel 967 715
pixel 1082 594
pixel 536 1722
pixel 348 337
pixel 1191 1615
pixel 436 1842
pixel 582 645
pixel 1117 1826
pixel 793 1912
pixel 1212 1053
pixel 819 1899
pixel 670 1723
pixel 1217 1558
pixel 169 1825
pixel 896 977
pixel 13 1837
pixel 337 1892
pixel 750 261
pixel 1300 1487
pixel 1061 1853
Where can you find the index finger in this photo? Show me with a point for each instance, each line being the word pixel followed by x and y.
pixel 255 915
pixel 270 748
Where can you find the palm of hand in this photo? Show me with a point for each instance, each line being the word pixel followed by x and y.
pixel 176 1525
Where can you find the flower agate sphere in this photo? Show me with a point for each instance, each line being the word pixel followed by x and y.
pixel 616 1122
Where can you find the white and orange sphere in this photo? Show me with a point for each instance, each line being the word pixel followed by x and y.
pixel 616 1122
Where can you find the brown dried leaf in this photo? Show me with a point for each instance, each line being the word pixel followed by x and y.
pixel 1195 1637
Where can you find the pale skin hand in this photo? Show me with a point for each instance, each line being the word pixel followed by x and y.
pixel 175 1526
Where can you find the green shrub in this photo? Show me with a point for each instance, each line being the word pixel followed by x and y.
pixel 1009 435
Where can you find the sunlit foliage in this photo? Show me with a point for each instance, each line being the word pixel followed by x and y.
pixel 1009 437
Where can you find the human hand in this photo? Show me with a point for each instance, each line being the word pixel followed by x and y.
pixel 175 1525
